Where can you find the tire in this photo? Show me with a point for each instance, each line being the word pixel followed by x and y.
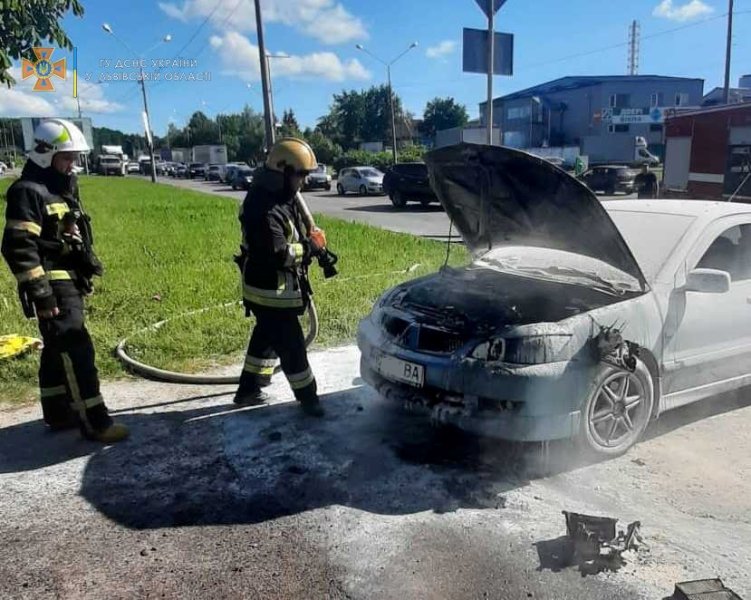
pixel 339 189
pixel 363 190
pixel 398 200
pixel 426 202
pixel 608 427
pixel 610 190
pixel 328 187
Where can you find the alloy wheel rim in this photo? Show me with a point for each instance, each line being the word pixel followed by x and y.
pixel 617 414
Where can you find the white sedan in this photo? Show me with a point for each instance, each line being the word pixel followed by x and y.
pixel 360 180
pixel 575 319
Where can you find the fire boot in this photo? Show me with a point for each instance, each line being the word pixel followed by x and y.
pixel 251 397
pixel 116 432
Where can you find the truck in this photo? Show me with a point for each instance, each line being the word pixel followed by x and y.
pixel 112 161
pixel 210 154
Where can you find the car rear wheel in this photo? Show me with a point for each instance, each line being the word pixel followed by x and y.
pixel 616 411
pixel 363 190
pixel 328 187
pixel 425 202
pixel 340 189
pixel 398 200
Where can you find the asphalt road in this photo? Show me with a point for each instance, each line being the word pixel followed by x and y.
pixel 430 222
pixel 209 501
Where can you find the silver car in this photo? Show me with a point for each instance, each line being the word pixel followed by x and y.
pixel 360 180
pixel 573 319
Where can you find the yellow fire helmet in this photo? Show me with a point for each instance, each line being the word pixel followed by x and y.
pixel 15 345
pixel 292 153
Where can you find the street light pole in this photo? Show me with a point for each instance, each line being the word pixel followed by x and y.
pixel 726 90
pixel 391 93
pixel 80 118
pixel 268 116
pixel 149 132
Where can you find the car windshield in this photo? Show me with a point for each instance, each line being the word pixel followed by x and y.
pixel 651 236
pixel 320 169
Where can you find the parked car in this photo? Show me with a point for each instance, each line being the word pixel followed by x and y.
pixel 360 180
pixel 3 168
pixel 214 173
pixel 404 182
pixel 610 179
pixel 242 179
pixel 196 170
pixel 318 179
pixel 550 334
pixel 132 167
pixel 229 171
pixel 181 171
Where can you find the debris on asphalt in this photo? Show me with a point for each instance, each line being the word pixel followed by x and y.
pixel 595 545
pixel 703 589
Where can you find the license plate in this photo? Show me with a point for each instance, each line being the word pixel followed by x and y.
pixel 400 370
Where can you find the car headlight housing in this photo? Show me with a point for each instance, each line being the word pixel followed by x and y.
pixel 526 350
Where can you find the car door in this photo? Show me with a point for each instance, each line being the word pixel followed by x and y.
pixel 709 334
pixel 353 181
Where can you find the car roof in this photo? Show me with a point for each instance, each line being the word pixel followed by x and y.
pixel 700 209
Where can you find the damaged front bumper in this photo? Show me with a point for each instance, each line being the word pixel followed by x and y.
pixel 512 402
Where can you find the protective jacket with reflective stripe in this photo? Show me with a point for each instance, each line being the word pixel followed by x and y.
pixel 275 252
pixel 41 205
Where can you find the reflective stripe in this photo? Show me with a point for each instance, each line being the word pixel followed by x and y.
pixel 294 255
pixel 57 208
pixel 29 275
pixel 60 275
pixel 298 381
pixel 285 296
pixel 273 302
pixel 259 366
pixel 75 391
pixel 92 402
pixel 29 226
pixel 48 392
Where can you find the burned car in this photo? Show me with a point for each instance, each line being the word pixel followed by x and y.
pixel 572 320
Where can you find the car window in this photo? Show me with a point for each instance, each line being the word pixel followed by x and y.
pixel 730 252
pixel 371 173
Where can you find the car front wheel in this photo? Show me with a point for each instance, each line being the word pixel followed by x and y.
pixel 340 189
pixel 363 190
pixel 617 410
pixel 398 200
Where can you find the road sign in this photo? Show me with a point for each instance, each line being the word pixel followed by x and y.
pixel 485 6
pixel 475 52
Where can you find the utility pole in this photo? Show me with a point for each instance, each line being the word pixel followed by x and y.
pixel 267 110
pixel 491 64
pixel 633 48
pixel 726 91
pixel 80 118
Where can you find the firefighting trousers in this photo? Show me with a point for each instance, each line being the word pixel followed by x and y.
pixel 68 378
pixel 277 333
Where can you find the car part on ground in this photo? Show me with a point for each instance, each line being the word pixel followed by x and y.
pixel 594 545
pixel 703 589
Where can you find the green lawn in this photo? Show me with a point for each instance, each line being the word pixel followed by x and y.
pixel 167 251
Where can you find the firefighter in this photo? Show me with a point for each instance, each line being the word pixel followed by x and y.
pixel 47 244
pixel 275 255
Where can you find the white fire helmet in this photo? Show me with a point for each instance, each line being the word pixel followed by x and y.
pixel 53 136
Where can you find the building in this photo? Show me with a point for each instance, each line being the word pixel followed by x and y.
pixel 738 95
pixel 474 135
pixel 708 153
pixel 602 116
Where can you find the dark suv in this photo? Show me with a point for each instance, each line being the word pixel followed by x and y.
pixel 609 179
pixel 196 170
pixel 408 181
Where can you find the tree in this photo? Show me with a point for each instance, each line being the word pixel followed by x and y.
pixel 290 126
pixel 28 23
pixel 325 150
pixel 443 113
pixel 360 116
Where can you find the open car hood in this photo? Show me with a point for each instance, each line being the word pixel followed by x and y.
pixel 498 196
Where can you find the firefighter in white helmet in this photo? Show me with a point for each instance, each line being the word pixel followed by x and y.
pixel 48 245
pixel 274 261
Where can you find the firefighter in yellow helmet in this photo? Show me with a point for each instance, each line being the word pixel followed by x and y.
pixel 274 261
pixel 48 245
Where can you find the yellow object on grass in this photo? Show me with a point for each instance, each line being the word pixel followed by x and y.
pixel 14 345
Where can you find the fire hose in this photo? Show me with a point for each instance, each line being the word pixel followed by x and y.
pixel 326 259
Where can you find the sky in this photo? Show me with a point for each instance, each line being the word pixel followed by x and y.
pixel 317 40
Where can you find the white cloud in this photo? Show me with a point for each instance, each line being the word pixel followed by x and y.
pixel 22 101
pixel 241 58
pixel 445 48
pixel 324 20
pixel 683 12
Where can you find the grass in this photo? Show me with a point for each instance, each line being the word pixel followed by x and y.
pixel 168 251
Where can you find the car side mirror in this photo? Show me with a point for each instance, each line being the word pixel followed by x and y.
pixel 708 281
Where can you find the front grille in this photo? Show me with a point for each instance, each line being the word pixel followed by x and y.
pixel 438 340
pixel 394 326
